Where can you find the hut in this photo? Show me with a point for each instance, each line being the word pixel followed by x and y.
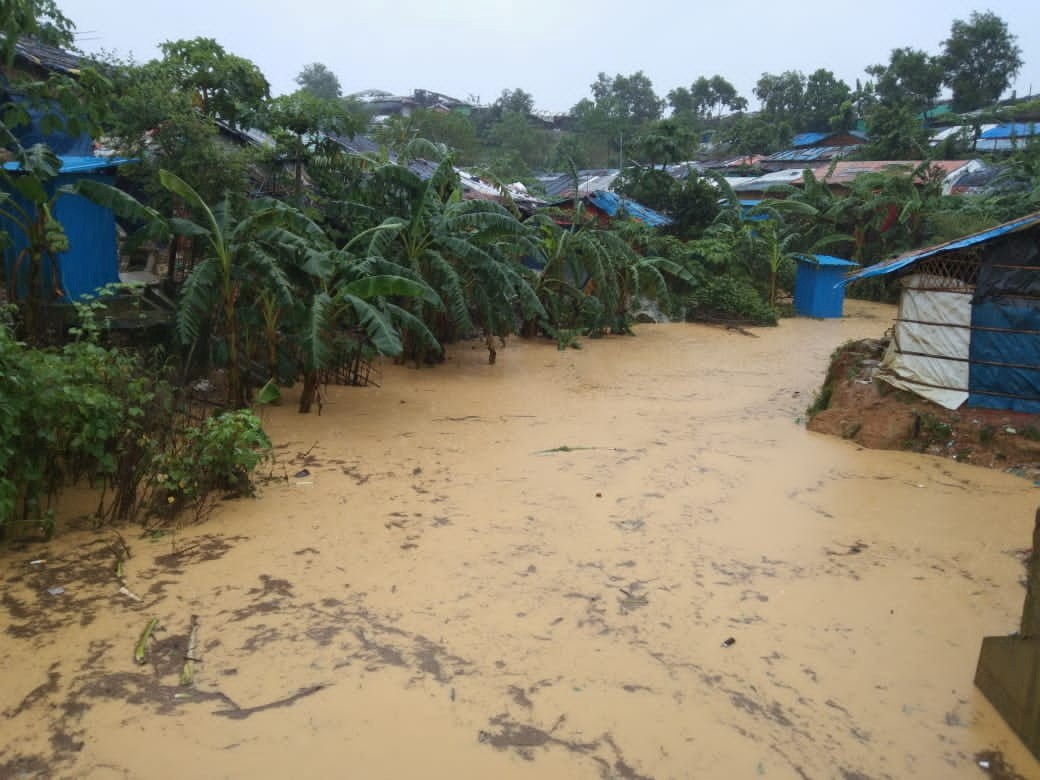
pixel 968 328
pixel 92 260
pixel 817 285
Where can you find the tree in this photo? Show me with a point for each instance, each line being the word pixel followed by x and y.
pixel 895 133
pixel 756 135
pixel 620 105
pixel 466 250
pixel 245 247
pixel 911 76
pixel 41 19
pixel 225 86
pixel 782 96
pixel 979 59
pixel 319 81
pixel 824 98
pixel 515 100
pixel 705 96
pixel 155 121
pixel 664 141
pixel 306 119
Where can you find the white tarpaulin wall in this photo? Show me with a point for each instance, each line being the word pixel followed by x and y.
pixel 931 342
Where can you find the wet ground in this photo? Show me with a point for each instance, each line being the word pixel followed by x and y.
pixel 628 561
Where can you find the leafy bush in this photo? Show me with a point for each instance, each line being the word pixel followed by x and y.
pixel 96 416
pixel 218 455
pixel 728 298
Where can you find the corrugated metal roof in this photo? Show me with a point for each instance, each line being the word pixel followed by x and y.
pixel 560 185
pixel 79 164
pixel 358 144
pixel 611 203
pixel 909 258
pixel 761 183
pixel 47 57
pixel 1012 130
pixel 811 153
pixel 825 260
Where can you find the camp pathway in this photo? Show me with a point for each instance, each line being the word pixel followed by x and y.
pixel 625 561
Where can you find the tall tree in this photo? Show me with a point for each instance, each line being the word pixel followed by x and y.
pixel 980 58
pixel 515 100
pixel 630 99
pixel 225 85
pixel 705 96
pixel 782 96
pixel 824 98
pixel 305 119
pixel 620 105
pixel 912 76
pixel 319 81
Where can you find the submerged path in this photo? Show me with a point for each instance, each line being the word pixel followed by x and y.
pixel 628 561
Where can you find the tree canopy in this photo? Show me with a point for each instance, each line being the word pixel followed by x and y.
pixel 319 81
pixel 979 59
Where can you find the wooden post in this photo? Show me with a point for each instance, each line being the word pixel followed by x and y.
pixel 1008 673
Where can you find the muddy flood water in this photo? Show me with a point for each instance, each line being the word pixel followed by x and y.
pixel 628 561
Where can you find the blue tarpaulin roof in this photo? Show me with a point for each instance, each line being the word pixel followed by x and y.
pixel 807 139
pixel 901 262
pixel 611 203
pixel 79 164
pixel 825 260
pixel 1012 130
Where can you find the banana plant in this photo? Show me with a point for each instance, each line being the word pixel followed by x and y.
pixel 242 261
pixel 468 251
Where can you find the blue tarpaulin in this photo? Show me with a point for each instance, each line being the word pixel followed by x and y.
pixel 92 260
pixel 1001 353
pixel 905 260
pixel 611 204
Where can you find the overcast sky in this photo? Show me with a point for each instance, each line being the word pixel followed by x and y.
pixel 550 48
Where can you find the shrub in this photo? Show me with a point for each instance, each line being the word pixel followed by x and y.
pixel 220 454
pixel 726 297
pixel 102 417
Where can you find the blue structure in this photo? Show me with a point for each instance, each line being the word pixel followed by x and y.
pixel 818 291
pixel 968 330
pixel 611 204
pixel 92 260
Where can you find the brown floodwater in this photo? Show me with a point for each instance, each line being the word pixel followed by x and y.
pixel 625 561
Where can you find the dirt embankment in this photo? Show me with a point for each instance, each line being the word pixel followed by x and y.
pixel 854 405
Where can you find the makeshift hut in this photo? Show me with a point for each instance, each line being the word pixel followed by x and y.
pixel 92 260
pixel 968 329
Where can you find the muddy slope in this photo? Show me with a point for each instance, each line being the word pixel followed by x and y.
pixel 874 414
pixel 628 561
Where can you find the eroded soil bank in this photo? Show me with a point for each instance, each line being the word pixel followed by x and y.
pixel 628 561
pixel 870 412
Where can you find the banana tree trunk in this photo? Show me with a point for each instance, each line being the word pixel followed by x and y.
pixel 310 391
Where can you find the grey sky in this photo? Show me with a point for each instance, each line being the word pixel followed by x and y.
pixel 550 48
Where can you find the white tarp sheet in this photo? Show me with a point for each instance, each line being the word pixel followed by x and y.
pixel 932 338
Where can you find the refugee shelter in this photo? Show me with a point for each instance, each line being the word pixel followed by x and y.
pixel 818 291
pixel 968 328
pixel 92 260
